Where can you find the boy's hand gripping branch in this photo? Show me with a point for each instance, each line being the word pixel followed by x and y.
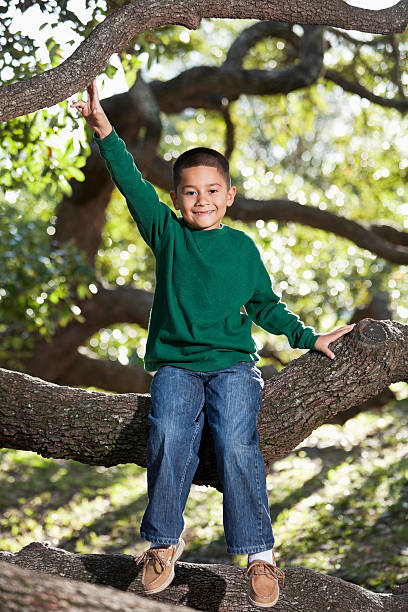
pixel 93 112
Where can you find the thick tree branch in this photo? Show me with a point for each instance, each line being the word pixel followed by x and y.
pixel 108 306
pixel 113 35
pixel 224 585
pixel 24 590
pixel 107 429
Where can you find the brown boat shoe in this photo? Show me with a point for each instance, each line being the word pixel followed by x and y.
pixel 263 585
pixel 158 568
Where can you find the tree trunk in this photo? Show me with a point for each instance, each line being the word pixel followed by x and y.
pixel 215 588
pixel 107 429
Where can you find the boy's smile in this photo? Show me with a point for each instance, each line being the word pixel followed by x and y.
pixel 202 197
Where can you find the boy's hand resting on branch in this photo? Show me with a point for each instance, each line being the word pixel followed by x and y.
pixel 93 112
pixel 323 341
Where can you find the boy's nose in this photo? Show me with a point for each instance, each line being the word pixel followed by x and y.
pixel 201 200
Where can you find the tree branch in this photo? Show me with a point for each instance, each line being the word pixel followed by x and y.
pixel 122 305
pixel 390 234
pixel 191 87
pixel 22 589
pixel 107 429
pixel 229 132
pixel 254 34
pixel 285 210
pixel 117 30
pixel 357 42
pixel 206 587
pixel 354 87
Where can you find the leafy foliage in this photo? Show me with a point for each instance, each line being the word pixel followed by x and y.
pixel 38 292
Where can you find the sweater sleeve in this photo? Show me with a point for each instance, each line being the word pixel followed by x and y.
pixel 150 214
pixel 267 310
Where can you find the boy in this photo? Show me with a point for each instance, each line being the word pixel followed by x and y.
pixel 201 350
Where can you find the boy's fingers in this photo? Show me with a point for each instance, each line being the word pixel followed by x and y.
pixel 345 329
pixel 329 353
pixel 94 90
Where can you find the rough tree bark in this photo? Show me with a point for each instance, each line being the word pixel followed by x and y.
pixel 23 590
pixel 224 586
pixel 115 32
pixel 107 429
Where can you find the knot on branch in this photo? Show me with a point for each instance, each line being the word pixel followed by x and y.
pixel 370 331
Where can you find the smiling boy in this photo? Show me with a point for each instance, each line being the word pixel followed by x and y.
pixel 202 352
pixel 203 194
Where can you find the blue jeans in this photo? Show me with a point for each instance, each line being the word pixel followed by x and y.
pixel 232 397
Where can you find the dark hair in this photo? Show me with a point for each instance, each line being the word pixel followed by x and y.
pixel 201 156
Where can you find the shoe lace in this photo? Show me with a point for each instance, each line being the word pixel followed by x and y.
pixel 265 568
pixel 153 555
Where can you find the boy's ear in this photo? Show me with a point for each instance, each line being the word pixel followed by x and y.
pixel 231 195
pixel 173 196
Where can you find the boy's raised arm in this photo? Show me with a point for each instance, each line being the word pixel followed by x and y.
pixel 150 214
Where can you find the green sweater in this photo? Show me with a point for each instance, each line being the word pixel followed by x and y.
pixel 203 278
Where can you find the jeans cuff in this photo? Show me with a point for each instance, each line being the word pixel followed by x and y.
pixel 156 540
pixel 249 550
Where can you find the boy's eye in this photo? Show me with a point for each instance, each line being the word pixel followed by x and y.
pixel 213 190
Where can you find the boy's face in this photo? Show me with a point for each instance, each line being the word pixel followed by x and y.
pixel 202 197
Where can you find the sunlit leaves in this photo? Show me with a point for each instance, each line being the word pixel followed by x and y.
pixel 39 287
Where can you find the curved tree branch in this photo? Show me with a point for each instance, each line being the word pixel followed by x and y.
pixel 254 34
pixel 286 210
pixel 107 429
pixel 191 87
pixel 113 34
pixel 108 306
pixel 206 587
pixel 400 104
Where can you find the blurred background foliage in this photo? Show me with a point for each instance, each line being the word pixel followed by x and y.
pixel 319 146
